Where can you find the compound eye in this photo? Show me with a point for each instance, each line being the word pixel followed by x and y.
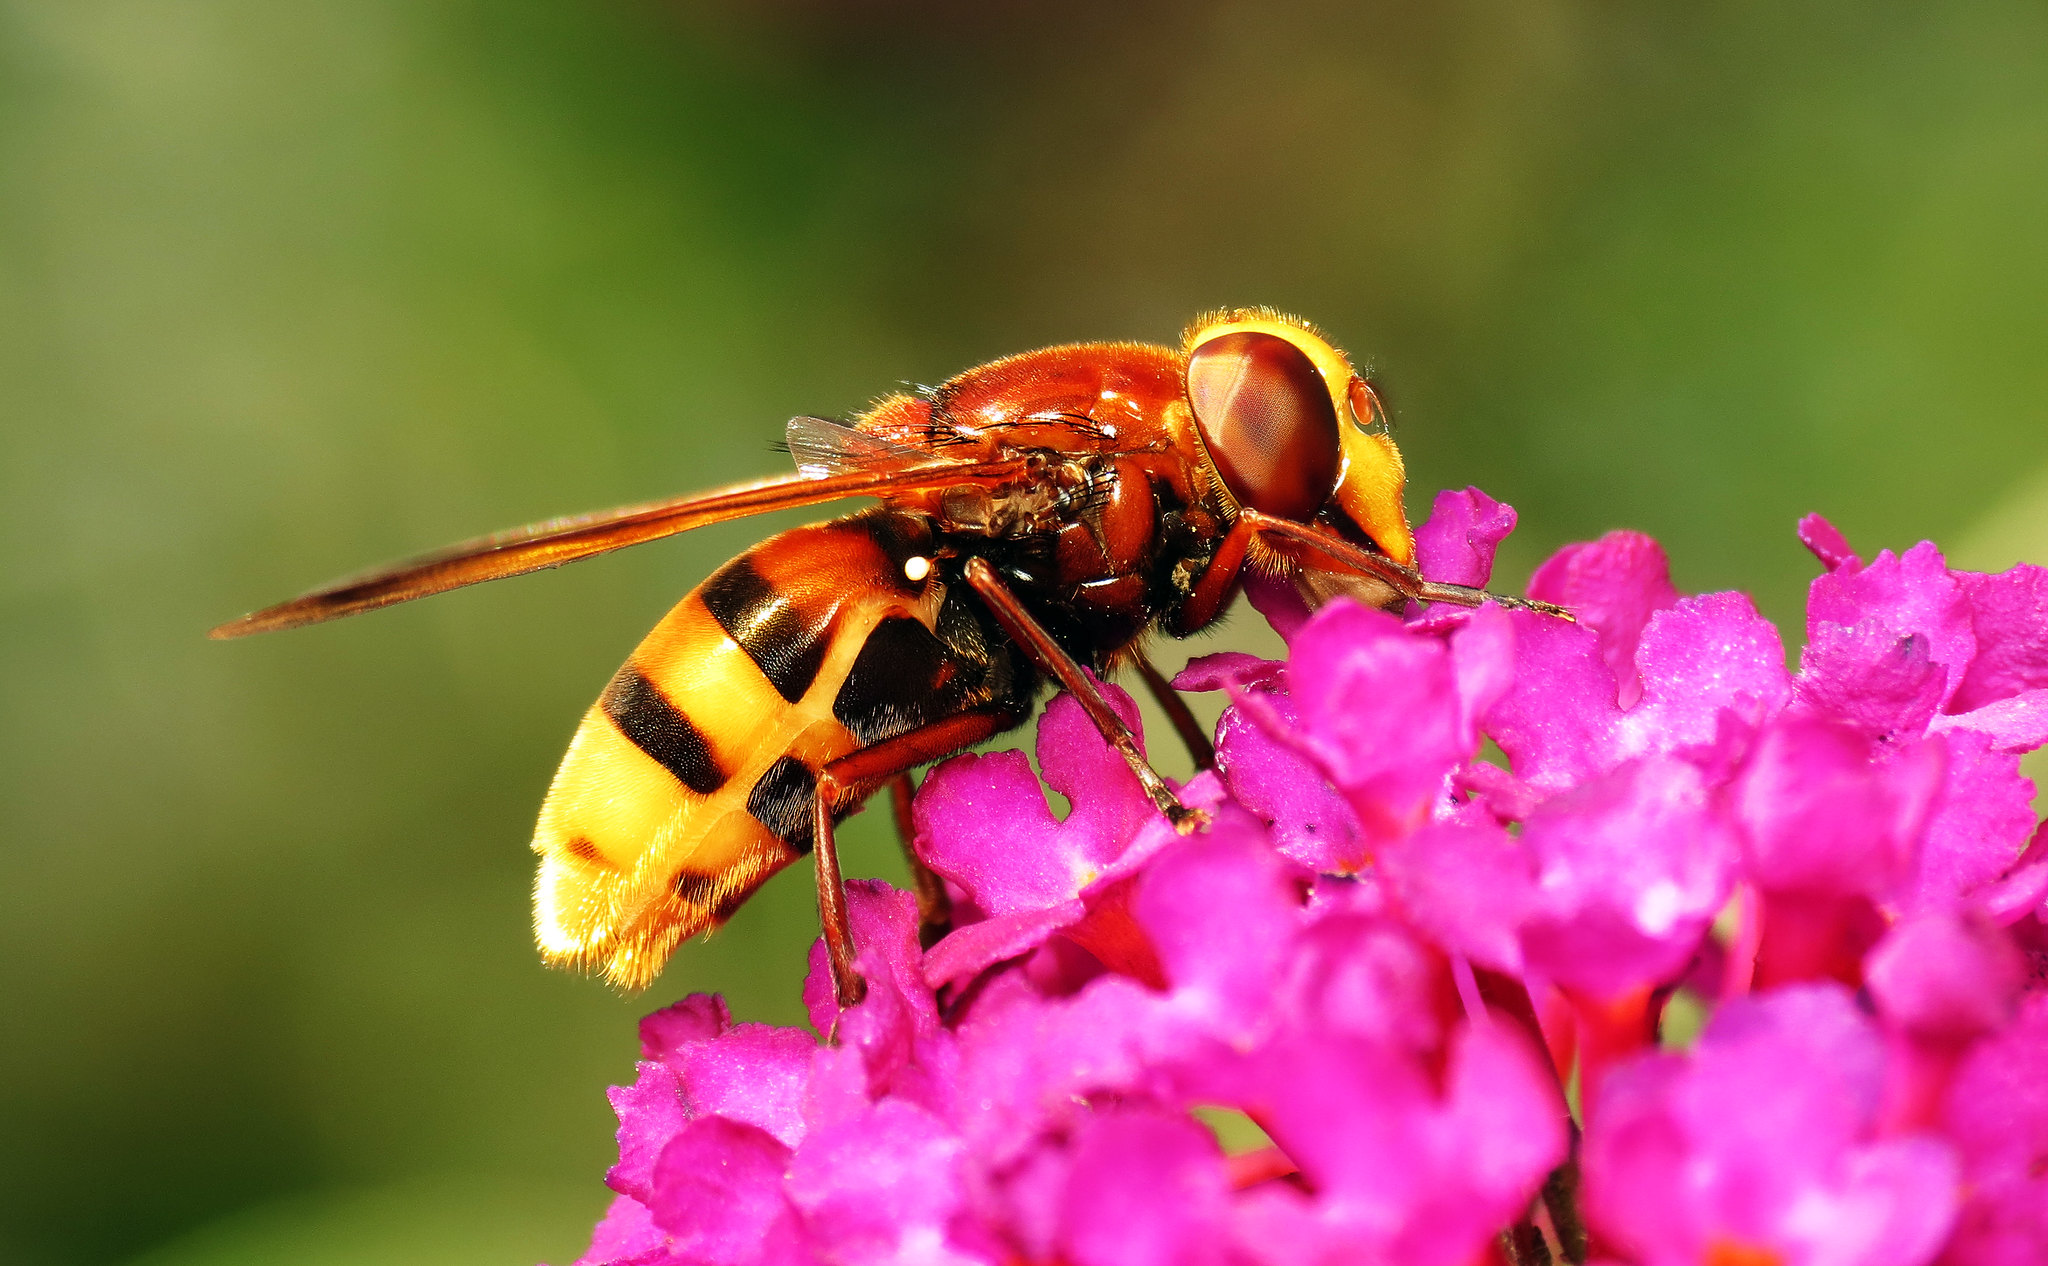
pixel 1269 422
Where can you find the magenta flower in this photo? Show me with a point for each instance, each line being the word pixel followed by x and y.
pixel 1903 649
pixel 1395 956
pixel 1761 1145
pixel 1052 878
pixel 1996 1115
pixel 1940 982
pixel 1456 544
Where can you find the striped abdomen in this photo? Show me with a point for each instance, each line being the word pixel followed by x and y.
pixel 692 778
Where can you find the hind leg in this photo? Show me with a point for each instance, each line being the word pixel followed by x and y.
pixel 846 782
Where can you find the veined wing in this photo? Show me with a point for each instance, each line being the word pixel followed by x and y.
pixel 823 447
pixel 558 541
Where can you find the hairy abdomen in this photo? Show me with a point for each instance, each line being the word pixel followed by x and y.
pixel 691 780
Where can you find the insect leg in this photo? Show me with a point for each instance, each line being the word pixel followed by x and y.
pixel 934 906
pixel 851 779
pixel 1047 654
pixel 1467 596
pixel 1404 580
pixel 1176 710
pixel 1215 585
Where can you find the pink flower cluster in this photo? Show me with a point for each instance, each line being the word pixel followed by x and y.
pixel 1440 981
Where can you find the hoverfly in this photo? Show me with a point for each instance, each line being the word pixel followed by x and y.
pixel 1039 516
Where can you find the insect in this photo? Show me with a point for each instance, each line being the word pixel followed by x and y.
pixel 1040 515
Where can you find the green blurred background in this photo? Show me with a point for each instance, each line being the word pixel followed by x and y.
pixel 288 288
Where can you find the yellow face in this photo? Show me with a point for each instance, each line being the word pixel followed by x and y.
pixel 1369 477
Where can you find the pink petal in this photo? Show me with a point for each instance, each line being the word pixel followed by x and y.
pixel 1227 668
pixel 1828 544
pixel 983 823
pixel 1483 658
pixel 1870 675
pixel 1504 1127
pixel 1466 886
pixel 1221 912
pixel 1381 706
pixel 1407 1168
pixel 1556 723
pixel 2016 723
pixel 2009 622
pixel 1910 595
pixel 1997 1115
pixel 1457 543
pixel 1819 815
pixel 651 1111
pixel 1363 974
pixel 1614 585
pixel 2022 889
pixel 967 951
pixel 1273 597
pixel 1697 659
pixel 1762 1138
pixel 1945 976
pixel 1980 822
pixel 756 1073
pixel 881 1188
pixel 1109 805
pixel 697 1018
pixel 1270 776
pixel 626 1236
pixel 1145 1189
pixel 718 1192
pixel 1631 869
pixel 1034 1064
pixel 898 1010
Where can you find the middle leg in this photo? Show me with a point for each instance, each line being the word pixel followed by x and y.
pixel 1050 656
pixel 934 904
pixel 1176 709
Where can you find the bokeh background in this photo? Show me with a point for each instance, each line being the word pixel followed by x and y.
pixel 289 287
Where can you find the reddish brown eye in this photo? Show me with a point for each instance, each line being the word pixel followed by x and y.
pixel 1268 420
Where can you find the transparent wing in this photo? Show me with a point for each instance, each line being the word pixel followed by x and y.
pixel 823 447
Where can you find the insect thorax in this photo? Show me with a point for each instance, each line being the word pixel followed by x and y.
pixel 1096 547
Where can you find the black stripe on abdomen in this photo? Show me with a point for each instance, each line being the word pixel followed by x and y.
pixel 781 801
pixel 902 679
pixel 659 728
pixel 786 647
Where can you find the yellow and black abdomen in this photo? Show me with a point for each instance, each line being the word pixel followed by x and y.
pixel 691 780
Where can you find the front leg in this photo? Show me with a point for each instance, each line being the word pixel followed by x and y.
pixel 1406 581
